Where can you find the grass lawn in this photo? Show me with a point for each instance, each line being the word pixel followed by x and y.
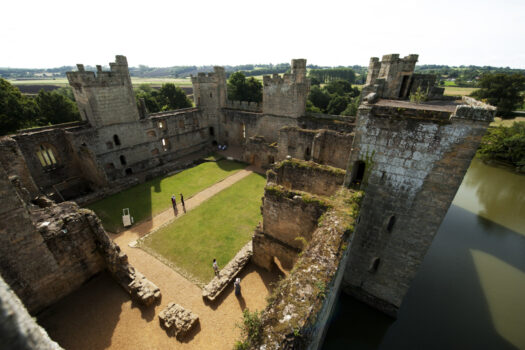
pixel 218 228
pixel 154 196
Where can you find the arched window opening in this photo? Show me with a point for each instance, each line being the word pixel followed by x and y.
pixel 212 131
pixel 391 222
pixel 165 144
pixel 374 265
pixel 116 140
pixel 358 172
pixel 46 156
pixel 129 171
pixel 307 153
pixel 122 160
pixel 211 95
pixel 243 131
pixel 271 159
pixel 161 124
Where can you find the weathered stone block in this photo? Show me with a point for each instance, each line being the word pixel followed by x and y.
pixel 177 320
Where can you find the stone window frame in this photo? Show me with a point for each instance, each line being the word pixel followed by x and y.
pixel 47 155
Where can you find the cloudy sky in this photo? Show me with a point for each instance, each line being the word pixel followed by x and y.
pixel 51 33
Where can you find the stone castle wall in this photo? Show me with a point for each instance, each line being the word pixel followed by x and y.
pixel 309 177
pixel 105 98
pixel 412 162
pixel 42 259
pixel 286 95
pixel 322 146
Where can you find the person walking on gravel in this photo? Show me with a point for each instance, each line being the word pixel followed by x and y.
pixel 174 203
pixel 215 267
pixel 182 201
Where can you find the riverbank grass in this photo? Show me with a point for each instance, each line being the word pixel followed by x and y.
pixel 218 228
pixel 154 196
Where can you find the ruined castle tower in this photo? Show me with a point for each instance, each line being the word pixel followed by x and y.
pixel 410 159
pixel 286 96
pixel 105 98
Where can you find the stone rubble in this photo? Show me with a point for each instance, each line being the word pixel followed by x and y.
pixel 177 320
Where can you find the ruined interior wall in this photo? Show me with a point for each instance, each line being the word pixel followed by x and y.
pixel 43 262
pixel 309 177
pixel 266 247
pixel 289 215
pixel 296 143
pixel 316 121
pixel 333 148
pixel 14 164
pixel 415 161
pixel 300 305
pixel 255 124
pixel 259 153
pixel 64 152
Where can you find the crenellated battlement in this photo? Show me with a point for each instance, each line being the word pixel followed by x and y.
pixel 286 95
pixel 212 77
pixel 394 78
pixel 117 75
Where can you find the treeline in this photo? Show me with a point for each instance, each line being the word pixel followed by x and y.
pixel 19 111
pixel 331 74
pixel 167 98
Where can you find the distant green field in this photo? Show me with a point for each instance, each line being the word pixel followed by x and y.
pixel 154 196
pixel 217 228
pixel 458 91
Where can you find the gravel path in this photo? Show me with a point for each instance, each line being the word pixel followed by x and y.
pixel 100 315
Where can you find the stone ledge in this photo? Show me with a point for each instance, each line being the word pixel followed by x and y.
pixel 177 320
pixel 213 289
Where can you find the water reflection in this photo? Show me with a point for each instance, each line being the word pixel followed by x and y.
pixel 470 290
pixel 494 193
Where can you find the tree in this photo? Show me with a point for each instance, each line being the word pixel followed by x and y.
pixel 240 89
pixel 16 111
pixel 505 144
pixel 320 98
pixel 55 108
pixel 149 95
pixel 502 91
pixel 172 97
pixel 351 108
pixel 337 105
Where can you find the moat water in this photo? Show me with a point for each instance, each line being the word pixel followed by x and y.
pixel 470 290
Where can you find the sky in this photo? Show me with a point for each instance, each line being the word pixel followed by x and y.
pixel 157 33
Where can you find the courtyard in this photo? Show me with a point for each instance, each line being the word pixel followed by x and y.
pixel 175 252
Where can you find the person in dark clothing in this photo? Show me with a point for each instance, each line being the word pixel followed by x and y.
pixel 182 201
pixel 174 203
